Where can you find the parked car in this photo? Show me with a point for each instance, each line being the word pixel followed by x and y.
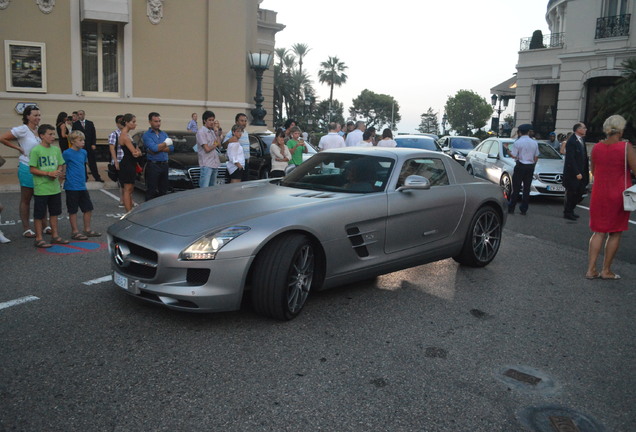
pixel 342 216
pixel 491 161
pixel 417 141
pixel 458 147
pixel 183 163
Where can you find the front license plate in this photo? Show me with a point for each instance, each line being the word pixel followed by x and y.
pixel 120 281
pixel 556 188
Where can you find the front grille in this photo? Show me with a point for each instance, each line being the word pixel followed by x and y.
pixel 142 262
pixel 554 178
pixel 195 173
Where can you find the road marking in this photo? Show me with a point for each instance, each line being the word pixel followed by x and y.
pixel 17 301
pixel 99 280
pixel 115 197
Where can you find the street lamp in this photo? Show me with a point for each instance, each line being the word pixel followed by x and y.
pixel 495 125
pixel 260 63
pixel 444 120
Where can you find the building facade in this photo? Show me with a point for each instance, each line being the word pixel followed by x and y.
pixel 560 75
pixel 175 57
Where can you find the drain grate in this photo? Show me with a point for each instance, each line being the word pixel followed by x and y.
pixel 563 424
pixel 523 377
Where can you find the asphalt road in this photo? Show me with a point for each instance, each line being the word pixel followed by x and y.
pixel 435 348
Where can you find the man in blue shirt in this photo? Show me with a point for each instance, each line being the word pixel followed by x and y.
pixel 157 158
pixel 241 120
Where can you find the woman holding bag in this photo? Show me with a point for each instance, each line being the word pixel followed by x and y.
pixel 610 162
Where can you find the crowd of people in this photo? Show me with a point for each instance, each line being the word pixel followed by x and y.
pixel 43 168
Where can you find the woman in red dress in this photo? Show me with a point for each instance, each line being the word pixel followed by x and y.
pixel 608 220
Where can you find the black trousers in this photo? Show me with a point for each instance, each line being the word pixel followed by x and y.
pixel 573 196
pixel 156 179
pixel 521 175
pixel 92 162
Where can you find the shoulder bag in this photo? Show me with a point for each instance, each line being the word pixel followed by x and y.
pixel 629 194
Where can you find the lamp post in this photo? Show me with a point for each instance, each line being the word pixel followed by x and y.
pixel 444 120
pixel 260 63
pixel 495 125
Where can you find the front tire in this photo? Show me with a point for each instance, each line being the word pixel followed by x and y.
pixel 506 185
pixel 469 168
pixel 282 276
pixel 482 240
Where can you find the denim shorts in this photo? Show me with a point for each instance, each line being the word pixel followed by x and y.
pixel 25 176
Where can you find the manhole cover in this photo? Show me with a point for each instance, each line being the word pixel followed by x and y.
pixel 553 418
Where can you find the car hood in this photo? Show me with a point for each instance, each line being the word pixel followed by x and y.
pixel 201 211
pixel 549 166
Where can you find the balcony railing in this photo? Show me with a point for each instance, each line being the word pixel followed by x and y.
pixel 553 40
pixel 613 26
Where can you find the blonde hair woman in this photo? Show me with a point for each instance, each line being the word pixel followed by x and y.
pixel 610 163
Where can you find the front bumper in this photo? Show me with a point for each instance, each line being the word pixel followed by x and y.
pixel 155 274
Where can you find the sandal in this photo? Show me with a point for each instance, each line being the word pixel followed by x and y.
pixel 47 230
pixel 41 244
pixel 28 233
pixel 78 236
pixel 91 234
pixel 58 240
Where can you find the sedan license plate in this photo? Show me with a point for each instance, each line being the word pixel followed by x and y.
pixel 556 188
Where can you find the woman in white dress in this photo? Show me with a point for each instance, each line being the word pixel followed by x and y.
pixel 387 139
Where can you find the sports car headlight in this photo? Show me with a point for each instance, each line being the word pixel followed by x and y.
pixel 207 246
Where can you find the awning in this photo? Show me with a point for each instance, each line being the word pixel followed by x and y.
pixel 508 88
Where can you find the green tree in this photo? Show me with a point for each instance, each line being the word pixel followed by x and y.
pixel 429 123
pixel 377 110
pixel 621 98
pixel 467 111
pixel 301 50
pixel 323 116
pixel 332 73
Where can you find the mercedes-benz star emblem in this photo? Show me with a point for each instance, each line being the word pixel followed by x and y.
pixel 121 255
pixel 558 178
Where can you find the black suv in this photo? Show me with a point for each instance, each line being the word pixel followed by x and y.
pixel 183 163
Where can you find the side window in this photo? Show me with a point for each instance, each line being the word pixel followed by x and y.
pixel 255 147
pixel 432 169
pixel 485 147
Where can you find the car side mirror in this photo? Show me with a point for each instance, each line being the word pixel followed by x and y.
pixel 493 155
pixel 415 182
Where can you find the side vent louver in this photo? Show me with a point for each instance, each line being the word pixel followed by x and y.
pixel 357 241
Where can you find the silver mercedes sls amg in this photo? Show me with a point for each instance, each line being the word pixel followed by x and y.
pixel 343 216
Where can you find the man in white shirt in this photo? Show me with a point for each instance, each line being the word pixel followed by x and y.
pixel 526 152
pixel 354 137
pixel 332 139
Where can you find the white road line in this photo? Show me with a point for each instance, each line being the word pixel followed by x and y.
pixel 18 301
pixel 99 280
pixel 113 196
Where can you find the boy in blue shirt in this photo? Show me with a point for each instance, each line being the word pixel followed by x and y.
pixel 75 186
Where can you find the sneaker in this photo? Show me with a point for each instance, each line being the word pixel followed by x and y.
pixel 3 239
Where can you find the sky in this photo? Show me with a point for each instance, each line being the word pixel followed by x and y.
pixel 421 52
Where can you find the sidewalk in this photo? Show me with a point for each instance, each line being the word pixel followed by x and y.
pixel 9 179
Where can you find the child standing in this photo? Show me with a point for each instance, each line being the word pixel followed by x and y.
pixel 46 165
pixel 75 186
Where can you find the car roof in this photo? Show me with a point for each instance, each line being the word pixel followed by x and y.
pixel 414 136
pixel 395 152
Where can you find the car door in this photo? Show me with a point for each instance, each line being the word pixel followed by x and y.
pixel 495 164
pixel 478 161
pixel 417 218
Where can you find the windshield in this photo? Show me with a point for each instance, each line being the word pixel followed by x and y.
pixel 419 143
pixel 548 152
pixel 463 143
pixel 341 172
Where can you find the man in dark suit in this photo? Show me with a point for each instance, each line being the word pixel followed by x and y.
pixel 90 146
pixel 576 171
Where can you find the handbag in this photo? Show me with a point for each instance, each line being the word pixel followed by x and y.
pixel 629 194
pixel 222 156
pixel 112 172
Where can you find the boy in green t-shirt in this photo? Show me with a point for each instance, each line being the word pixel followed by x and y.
pixel 47 167
pixel 296 146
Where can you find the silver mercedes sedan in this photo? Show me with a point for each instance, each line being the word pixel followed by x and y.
pixel 343 216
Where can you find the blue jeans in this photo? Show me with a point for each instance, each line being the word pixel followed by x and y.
pixel 207 177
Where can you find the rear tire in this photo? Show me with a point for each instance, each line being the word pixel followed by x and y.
pixel 482 240
pixel 282 276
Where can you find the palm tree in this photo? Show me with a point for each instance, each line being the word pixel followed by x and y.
pixel 332 73
pixel 281 53
pixel 301 50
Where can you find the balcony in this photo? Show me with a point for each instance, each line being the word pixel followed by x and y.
pixel 553 40
pixel 612 26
